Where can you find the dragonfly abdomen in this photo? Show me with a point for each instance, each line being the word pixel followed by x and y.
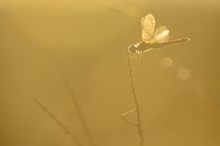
pixel 143 46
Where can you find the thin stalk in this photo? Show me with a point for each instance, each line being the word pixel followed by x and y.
pixel 59 123
pixel 77 107
pixel 137 107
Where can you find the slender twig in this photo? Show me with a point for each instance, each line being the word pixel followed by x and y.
pixel 125 120
pixel 76 106
pixel 74 100
pixel 59 123
pixel 128 112
pixel 134 95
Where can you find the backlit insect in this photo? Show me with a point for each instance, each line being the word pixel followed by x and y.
pixel 152 39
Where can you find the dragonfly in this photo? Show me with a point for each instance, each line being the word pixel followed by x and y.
pixel 152 39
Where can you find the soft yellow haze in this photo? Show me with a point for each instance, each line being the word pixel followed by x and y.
pixel 177 87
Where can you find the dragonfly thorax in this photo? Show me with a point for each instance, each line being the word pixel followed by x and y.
pixel 140 47
pixel 132 49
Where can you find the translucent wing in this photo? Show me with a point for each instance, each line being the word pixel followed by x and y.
pixel 161 35
pixel 148 25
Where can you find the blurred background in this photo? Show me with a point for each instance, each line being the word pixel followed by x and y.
pixel 177 87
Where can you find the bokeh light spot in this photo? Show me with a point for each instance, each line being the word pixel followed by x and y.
pixel 184 73
pixel 166 62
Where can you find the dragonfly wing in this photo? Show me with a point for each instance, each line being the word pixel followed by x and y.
pixel 161 35
pixel 148 25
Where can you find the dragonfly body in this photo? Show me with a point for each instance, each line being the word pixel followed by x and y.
pixel 151 38
pixel 143 47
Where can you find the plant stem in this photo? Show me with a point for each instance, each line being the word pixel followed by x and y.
pixel 77 107
pixel 59 123
pixel 134 95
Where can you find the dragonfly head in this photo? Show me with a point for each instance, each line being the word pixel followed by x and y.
pixel 132 49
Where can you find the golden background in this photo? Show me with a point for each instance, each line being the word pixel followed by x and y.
pixel 177 87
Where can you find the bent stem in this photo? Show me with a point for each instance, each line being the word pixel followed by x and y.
pixel 137 107
pixel 77 106
pixel 59 123
pixel 74 101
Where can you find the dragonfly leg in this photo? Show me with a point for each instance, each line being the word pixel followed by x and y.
pixel 140 57
pixel 136 55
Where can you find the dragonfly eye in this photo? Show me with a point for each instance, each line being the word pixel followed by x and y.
pixel 132 49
